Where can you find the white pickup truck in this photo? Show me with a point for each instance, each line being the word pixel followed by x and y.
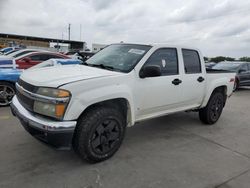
pixel 89 106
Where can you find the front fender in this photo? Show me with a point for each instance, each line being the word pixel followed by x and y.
pixel 82 100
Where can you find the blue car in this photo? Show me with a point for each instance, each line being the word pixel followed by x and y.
pixel 8 49
pixel 8 77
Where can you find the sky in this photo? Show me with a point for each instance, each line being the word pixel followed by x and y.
pixel 217 27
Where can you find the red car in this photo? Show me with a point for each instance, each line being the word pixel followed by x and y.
pixel 28 60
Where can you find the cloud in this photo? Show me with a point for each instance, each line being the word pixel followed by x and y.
pixel 218 27
pixel 100 4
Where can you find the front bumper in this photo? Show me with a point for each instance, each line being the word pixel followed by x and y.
pixel 58 134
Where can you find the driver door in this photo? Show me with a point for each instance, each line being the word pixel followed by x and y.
pixel 158 95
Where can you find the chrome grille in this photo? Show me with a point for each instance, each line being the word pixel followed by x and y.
pixel 24 100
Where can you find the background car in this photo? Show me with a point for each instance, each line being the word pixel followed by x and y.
pixel 8 49
pixel 34 58
pixel 210 65
pixel 8 77
pixel 18 53
pixel 242 70
pixel 30 59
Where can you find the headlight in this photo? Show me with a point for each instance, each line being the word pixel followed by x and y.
pixel 51 102
pixel 51 92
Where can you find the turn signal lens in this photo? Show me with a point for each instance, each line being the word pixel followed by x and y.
pixel 232 80
pixel 63 93
pixel 60 109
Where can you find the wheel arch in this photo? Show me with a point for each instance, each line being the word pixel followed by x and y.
pixel 119 103
pixel 9 82
pixel 221 88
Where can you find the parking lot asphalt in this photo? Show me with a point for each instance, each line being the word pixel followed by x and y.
pixel 172 151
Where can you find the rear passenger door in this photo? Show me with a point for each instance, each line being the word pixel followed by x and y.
pixel 194 79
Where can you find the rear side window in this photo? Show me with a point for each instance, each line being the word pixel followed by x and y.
pixel 166 59
pixel 39 57
pixel 192 62
pixel 50 56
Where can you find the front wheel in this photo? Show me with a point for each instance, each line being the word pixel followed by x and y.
pixel 7 92
pixel 99 133
pixel 211 113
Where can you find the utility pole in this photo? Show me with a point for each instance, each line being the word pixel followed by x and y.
pixel 69 30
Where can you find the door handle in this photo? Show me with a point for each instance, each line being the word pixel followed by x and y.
pixel 176 81
pixel 200 79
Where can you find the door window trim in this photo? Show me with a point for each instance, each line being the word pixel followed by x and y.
pixel 176 51
pixel 184 61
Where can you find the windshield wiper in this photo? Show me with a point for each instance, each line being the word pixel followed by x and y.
pixel 102 66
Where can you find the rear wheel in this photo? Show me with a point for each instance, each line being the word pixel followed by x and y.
pixel 211 113
pixel 7 92
pixel 99 134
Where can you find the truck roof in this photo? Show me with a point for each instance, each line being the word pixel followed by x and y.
pixel 162 45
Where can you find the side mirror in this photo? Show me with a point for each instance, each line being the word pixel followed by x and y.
pixel 26 59
pixel 150 71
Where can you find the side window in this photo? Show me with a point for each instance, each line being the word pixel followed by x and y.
pixel 39 57
pixel 50 56
pixel 167 59
pixel 192 62
pixel 244 67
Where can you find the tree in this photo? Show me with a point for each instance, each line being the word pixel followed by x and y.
pixel 206 59
pixel 247 59
pixel 221 58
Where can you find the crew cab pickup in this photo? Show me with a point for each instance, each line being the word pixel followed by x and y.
pixel 89 106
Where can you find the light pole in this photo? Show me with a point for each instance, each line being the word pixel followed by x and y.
pixel 69 30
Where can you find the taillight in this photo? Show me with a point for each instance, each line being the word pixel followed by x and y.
pixel 232 80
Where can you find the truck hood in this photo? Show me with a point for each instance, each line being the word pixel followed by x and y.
pixel 59 75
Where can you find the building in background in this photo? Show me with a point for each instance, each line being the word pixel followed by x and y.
pixel 40 42
pixel 97 47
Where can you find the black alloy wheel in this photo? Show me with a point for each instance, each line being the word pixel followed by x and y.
pixel 216 108
pixel 99 133
pixel 212 112
pixel 106 136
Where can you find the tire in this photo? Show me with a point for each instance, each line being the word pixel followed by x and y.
pixel 236 85
pixel 99 134
pixel 7 92
pixel 211 113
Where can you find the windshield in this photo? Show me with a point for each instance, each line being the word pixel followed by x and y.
pixel 226 66
pixel 19 53
pixel 119 57
pixel 11 52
